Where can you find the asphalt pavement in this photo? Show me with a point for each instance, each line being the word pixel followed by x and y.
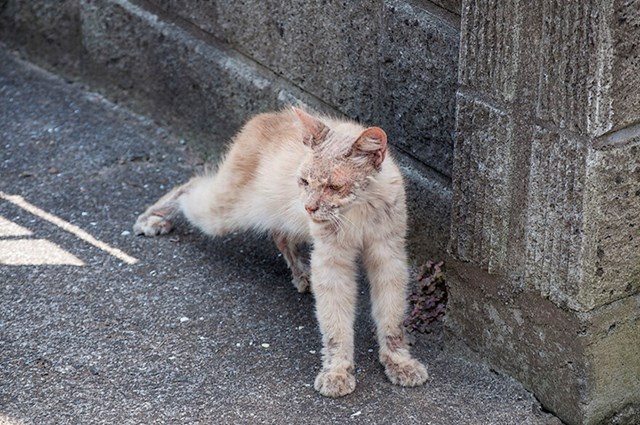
pixel 98 326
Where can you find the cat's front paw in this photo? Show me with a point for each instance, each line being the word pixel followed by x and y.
pixel 152 225
pixel 335 383
pixel 406 372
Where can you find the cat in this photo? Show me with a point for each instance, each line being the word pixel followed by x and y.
pixel 329 182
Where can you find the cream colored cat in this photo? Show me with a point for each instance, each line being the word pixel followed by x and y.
pixel 329 182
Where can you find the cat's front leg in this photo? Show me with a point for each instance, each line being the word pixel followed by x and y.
pixel 335 290
pixel 386 264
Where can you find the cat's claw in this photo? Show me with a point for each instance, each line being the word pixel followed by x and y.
pixel 152 225
pixel 332 383
pixel 407 373
pixel 302 283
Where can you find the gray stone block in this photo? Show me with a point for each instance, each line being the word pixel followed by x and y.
pixel 429 211
pixel 489 35
pixel 626 63
pixel 195 85
pixel 583 224
pixel 587 88
pixel 328 49
pixel 612 224
pixel 554 229
pixel 419 49
pixel 584 367
pixel 481 184
pixel 573 88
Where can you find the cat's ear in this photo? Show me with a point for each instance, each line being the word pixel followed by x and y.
pixel 371 145
pixel 314 131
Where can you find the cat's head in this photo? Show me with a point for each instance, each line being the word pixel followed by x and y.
pixel 342 163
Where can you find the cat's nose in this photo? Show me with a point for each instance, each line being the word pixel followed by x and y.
pixel 311 208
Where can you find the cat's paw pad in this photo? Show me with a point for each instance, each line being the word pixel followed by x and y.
pixel 152 225
pixel 302 283
pixel 332 383
pixel 408 373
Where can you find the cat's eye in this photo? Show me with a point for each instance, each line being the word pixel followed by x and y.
pixel 303 182
pixel 336 187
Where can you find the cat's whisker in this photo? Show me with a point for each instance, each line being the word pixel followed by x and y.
pixel 335 220
pixel 344 218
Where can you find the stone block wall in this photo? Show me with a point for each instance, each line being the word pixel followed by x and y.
pixel 546 207
pixel 204 68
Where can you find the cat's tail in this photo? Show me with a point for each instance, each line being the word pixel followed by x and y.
pixel 212 203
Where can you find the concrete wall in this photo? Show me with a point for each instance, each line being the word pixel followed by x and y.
pixel 546 207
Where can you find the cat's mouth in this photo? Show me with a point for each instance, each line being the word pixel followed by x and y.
pixel 317 219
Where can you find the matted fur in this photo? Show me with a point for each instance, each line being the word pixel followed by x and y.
pixel 330 183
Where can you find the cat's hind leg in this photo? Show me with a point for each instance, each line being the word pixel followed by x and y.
pixel 159 218
pixel 291 252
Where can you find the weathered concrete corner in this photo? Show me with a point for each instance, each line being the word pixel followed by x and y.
pixel 546 202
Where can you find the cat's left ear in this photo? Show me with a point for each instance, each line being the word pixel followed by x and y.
pixel 315 131
pixel 371 145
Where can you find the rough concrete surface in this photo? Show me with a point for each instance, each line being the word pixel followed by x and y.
pixel 292 39
pixel 419 49
pixel 199 330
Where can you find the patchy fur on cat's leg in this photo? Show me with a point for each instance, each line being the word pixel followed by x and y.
pixel 294 259
pixel 385 261
pixel 335 291
pixel 158 218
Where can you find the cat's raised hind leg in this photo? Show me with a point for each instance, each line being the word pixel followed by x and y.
pixel 158 219
pixel 291 252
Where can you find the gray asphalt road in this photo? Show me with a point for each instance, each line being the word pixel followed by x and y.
pixel 196 330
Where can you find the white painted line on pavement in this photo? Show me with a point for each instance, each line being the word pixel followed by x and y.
pixel 65 225
pixel 9 228
pixel 35 252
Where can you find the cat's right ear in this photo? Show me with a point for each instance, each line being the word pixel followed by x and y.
pixel 371 146
pixel 314 131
